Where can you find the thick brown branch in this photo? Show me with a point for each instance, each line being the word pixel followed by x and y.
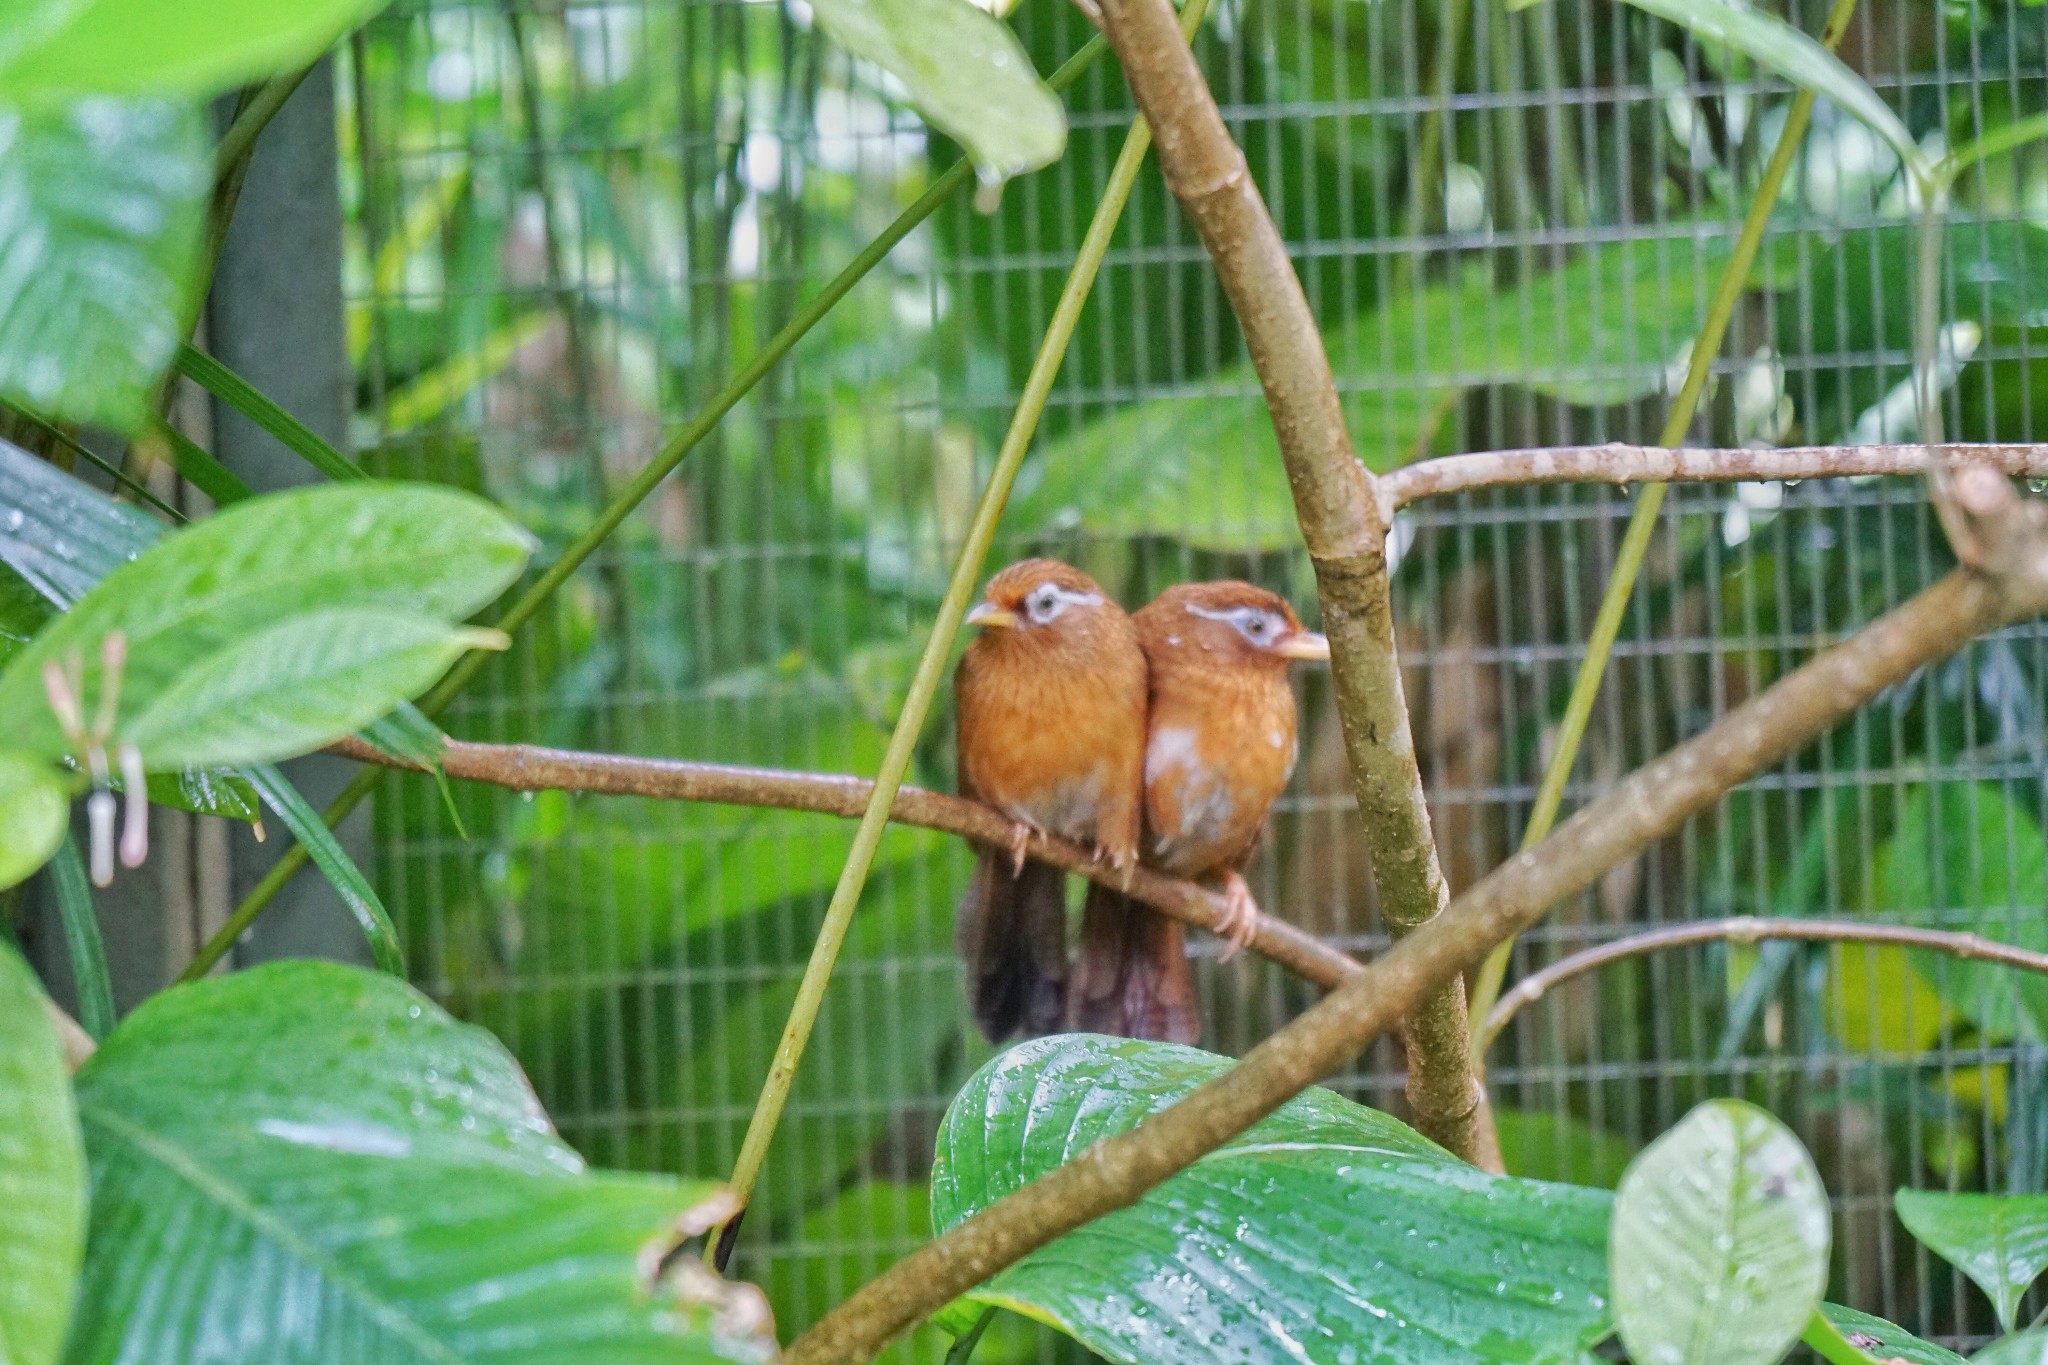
pixel 1619 825
pixel 1653 464
pixel 1342 520
pixel 526 767
pixel 1749 929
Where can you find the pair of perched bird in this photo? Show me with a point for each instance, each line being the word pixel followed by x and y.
pixel 1162 737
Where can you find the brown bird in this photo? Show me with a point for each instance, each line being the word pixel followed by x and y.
pixel 1051 732
pixel 1220 747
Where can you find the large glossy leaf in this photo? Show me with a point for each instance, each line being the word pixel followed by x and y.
pixel 1328 1232
pixel 145 46
pixel 1780 47
pixel 42 1175
pixel 33 808
pixel 2000 1241
pixel 1719 1249
pixel 100 212
pixel 1964 857
pixel 1205 469
pixel 290 687
pixel 193 601
pixel 966 73
pixel 310 1162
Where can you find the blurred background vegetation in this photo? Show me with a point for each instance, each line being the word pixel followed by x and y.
pixel 569 222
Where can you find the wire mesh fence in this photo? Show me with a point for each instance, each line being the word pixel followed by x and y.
pixel 570 223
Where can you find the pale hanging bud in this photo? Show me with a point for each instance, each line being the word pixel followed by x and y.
pixel 99 821
pixel 135 822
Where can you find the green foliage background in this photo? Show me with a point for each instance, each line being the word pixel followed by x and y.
pixel 568 224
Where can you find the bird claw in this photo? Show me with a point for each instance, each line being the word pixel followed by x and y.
pixel 1240 922
pixel 1020 839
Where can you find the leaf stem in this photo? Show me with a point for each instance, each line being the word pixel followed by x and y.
pixel 931 667
pixel 1642 523
pixel 622 505
pixel 82 940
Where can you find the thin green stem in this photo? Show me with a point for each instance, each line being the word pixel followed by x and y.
pixel 622 505
pixel 931 667
pixel 238 143
pixel 82 939
pixel 963 1346
pixel 1642 524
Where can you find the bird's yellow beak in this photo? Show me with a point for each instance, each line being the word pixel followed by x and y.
pixel 989 614
pixel 1306 644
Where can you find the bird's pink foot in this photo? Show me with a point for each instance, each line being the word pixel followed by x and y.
pixel 1020 839
pixel 1240 916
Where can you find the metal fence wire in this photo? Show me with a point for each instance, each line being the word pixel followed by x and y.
pixel 569 223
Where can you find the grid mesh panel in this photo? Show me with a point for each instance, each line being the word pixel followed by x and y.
pixel 569 224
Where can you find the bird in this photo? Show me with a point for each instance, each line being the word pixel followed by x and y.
pixel 1220 747
pixel 1050 717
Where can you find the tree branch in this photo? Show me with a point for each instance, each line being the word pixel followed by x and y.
pixel 1643 808
pixel 1343 521
pixel 527 767
pixel 1621 464
pixel 1749 929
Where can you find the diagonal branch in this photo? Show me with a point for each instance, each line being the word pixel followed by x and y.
pixel 1752 930
pixel 529 767
pixel 1748 929
pixel 1643 808
pixel 1342 520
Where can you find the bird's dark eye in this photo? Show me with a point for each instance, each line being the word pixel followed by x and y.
pixel 1044 604
pixel 1258 625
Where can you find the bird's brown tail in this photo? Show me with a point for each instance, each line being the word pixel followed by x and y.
pixel 1012 934
pixel 1132 978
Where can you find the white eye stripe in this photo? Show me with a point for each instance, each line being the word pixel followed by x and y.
pixel 1254 624
pixel 1046 601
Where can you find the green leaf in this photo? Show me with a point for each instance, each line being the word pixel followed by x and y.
pixel 198 597
pixel 334 863
pixel 966 73
pixel 1719 1249
pixel 82 940
pixel 244 397
pixel 33 809
pixel 1206 470
pixel 1884 1341
pixel 59 538
pixel 146 47
pixel 1328 1232
pixel 292 686
pixel 42 1175
pixel 309 1162
pixel 1780 47
pixel 2000 1241
pixel 2022 1348
pixel 1965 858
pixel 101 206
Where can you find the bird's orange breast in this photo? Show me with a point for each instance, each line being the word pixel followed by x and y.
pixel 1221 749
pixel 1054 745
